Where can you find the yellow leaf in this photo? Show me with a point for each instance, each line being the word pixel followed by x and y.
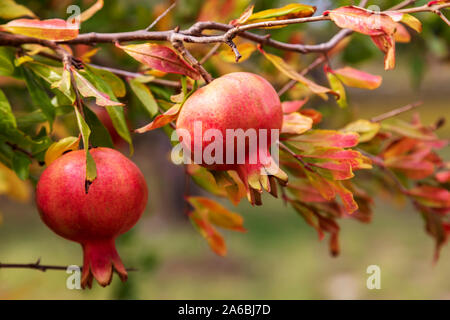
pixel 244 16
pixel 57 149
pixel 290 11
pixel 296 123
pixel 291 73
pixel 52 29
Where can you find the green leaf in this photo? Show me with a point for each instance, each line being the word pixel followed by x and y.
pixel 161 92
pixel 39 96
pixel 116 113
pixel 11 10
pixel 6 62
pixel 145 96
pixel 7 118
pixel 100 136
pixel 21 165
pixel 110 78
pixel 91 168
pixel 8 124
pixel 367 130
pixel 337 86
pixel 92 88
pixel 38 117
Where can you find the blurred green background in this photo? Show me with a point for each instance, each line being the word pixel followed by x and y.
pixel 280 256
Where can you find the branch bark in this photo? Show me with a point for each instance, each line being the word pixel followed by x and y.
pixel 396 112
pixel 38 266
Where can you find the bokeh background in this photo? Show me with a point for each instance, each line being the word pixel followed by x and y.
pixel 280 256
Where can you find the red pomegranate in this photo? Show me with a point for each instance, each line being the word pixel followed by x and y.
pixel 113 205
pixel 238 100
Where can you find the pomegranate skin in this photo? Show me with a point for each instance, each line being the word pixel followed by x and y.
pixel 114 203
pixel 238 100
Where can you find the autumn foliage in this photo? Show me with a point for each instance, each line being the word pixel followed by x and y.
pixel 323 171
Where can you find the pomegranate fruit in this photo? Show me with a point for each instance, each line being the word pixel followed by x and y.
pixel 239 100
pixel 114 203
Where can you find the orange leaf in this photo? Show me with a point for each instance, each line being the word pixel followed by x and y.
pixel 218 214
pixel 401 34
pixel 315 115
pixel 52 29
pixel 214 238
pixel 162 119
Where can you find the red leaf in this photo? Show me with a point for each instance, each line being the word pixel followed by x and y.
pixel 161 58
pixel 443 177
pixel 325 138
pixel 386 44
pixel 358 79
pixel 430 196
pixel 293 106
pixel 362 20
pixel 379 26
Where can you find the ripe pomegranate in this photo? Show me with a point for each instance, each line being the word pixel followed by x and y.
pixel 113 205
pixel 239 100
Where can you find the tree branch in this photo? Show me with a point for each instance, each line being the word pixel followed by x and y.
pixel 162 15
pixel 396 112
pixel 38 266
pixel 16 147
pixel 194 34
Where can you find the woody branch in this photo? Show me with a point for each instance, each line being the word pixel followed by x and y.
pixel 194 34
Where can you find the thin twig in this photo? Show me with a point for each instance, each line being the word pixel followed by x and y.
pixel 296 156
pixel 396 112
pixel 179 46
pixel 162 15
pixel 16 147
pixel 319 60
pixel 443 17
pixel 379 162
pixel 402 4
pixel 38 266
pixel 194 34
